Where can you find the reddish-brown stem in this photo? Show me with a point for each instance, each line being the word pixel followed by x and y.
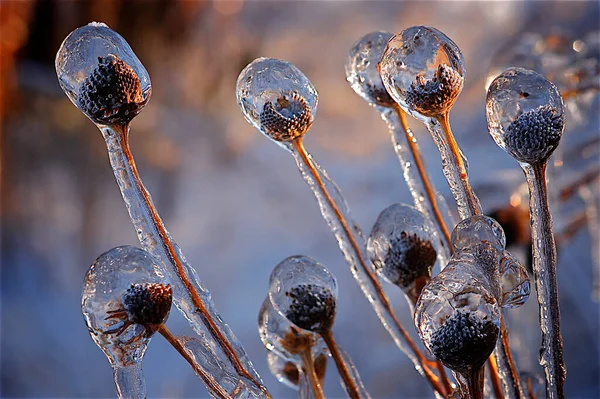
pixel 123 132
pixel 299 147
pixel 494 378
pixel 209 381
pixel 475 383
pixel 349 382
pixel 308 365
pixel 429 191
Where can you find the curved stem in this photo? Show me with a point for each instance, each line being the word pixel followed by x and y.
pixel 350 384
pixel 130 382
pixel 493 370
pixel 308 365
pixel 428 187
pixel 156 239
pixel 544 270
pixel 361 271
pixel 208 380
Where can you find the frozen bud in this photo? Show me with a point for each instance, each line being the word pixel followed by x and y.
pixel 287 118
pixel 525 114
pixel 148 304
pixel 312 307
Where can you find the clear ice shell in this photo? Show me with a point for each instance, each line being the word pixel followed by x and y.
pixel 284 370
pixel 280 336
pixel 106 281
pixel 514 282
pixel 471 231
pixel 309 280
pixel 514 92
pixel 225 375
pixel 417 51
pixel 265 80
pixel 361 68
pixel 461 288
pixel 393 230
pixel 78 55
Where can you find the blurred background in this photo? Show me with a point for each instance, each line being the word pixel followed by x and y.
pixel 236 203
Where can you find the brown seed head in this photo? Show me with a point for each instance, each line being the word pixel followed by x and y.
pixel 112 93
pixel 409 258
pixel 288 118
pixel 312 307
pixel 148 304
pixel 436 96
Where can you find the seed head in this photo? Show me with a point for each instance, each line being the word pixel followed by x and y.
pixel 408 258
pixel 464 342
pixel 288 118
pixel 535 134
pixel 112 93
pixel 378 94
pixel 312 307
pixel 148 304
pixel 436 96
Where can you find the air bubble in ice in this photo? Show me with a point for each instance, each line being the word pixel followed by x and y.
pixel 525 114
pixel 305 292
pixel 401 247
pixel 276 98
pixel 361 68
pixel 101 75
pixel 423 70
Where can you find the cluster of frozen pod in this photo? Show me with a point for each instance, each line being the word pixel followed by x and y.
pixel 295 324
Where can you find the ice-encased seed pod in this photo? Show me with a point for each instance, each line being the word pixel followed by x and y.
pixel 276 98
pixel 125 298
pixel 305 292
pixel 476 229
pixel 401 248
pixel 280 336
pixel 457 315
pixel 284 370
pixel 362 72
pixel 101 75
pixel 423 70
pixel 525 114
pixel 514 282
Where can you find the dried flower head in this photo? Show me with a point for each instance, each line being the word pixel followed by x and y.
pixel 534 135
pixel 409 258
pixel 112 93
pixel 436 96
pixel 464 342
pixel 286 119
pixel 312 307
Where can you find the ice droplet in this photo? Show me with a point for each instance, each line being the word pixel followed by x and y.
pixel 475 229
pixel 423 70
pixel 362 72
pixel 514 282
pixel 101 75
pixel 276 98
pixel 284 370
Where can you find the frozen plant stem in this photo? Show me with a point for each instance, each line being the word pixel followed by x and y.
pixel 208 380
pixel 512 387
pixel 544 268
pixel 353 247
pixel 349 383
pixel 308 366
pixel 130 381
pixel 154 237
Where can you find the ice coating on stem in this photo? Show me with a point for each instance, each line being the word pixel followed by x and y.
pixel 514 281
pixel 120 315
pixel 402 249
pixel 148 231
pixel 284 370
pixel 362 391
pixel 423 70
pixel 280 336
pixel 101 75
pixel 224 375
pixel 276 98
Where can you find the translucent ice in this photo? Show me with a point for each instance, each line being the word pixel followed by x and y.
pixel 514 281
pixel 101 75
pixel 285 371
pixel 125 298
pixel 475 229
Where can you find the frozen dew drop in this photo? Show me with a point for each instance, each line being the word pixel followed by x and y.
pixel 514 282
pixel 525 114
pixel 305 292
pixel 101 75
pixel 475 229
pixel 401 247
pixel 285 371
pixel 362 72
pixel 423 70
pixel 277 99
pixel 458 317
pixel 125 299
pixel 280 336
